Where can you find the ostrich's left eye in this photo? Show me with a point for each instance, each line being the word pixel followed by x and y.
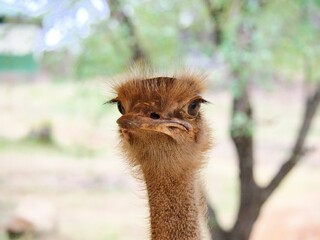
pixel 120 107
pixel 194 107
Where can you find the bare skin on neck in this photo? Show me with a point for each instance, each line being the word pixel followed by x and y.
pixel 164 137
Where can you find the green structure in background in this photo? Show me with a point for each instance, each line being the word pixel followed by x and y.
pixel 14 63
pixel 17 43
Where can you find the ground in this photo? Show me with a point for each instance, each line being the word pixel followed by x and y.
pixel 84 176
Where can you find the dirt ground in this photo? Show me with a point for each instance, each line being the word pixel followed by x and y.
pixel 83 175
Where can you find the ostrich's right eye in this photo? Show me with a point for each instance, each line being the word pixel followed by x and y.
pixel 120 107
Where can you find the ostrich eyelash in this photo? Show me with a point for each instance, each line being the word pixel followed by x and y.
pixel 204 101
pixel 112 101
pixel 201 100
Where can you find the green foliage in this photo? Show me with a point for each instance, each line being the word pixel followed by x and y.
pixel 283 38
pixel 166 31
pixel 158 46
pixel 105 52
pixel 158 31
pixel 277 39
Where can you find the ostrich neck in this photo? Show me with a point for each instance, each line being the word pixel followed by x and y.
pixel 174 206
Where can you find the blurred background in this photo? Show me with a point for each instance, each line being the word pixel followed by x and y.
pixel 61 174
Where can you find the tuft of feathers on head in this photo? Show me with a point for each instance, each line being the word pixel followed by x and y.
pixel 142 79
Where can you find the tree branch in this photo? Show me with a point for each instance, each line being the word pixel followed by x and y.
pixel 311 107
pixel 215 15
pixel 215 229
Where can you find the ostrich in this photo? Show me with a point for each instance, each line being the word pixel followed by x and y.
pixel 164 137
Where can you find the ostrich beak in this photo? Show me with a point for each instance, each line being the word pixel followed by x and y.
pixel 132 122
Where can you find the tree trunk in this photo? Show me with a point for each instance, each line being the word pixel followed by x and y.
pixel 242 136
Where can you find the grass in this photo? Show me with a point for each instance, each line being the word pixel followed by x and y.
pixel 27 146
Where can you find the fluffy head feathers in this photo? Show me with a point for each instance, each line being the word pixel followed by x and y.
pixel 162 127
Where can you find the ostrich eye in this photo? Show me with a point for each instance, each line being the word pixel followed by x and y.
pixel 120 107
pixel 194 107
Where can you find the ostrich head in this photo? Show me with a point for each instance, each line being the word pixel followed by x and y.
pixel 161 127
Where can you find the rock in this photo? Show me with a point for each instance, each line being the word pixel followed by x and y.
pixel 33 216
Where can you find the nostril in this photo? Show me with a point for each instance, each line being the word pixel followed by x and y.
pixel 154 115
